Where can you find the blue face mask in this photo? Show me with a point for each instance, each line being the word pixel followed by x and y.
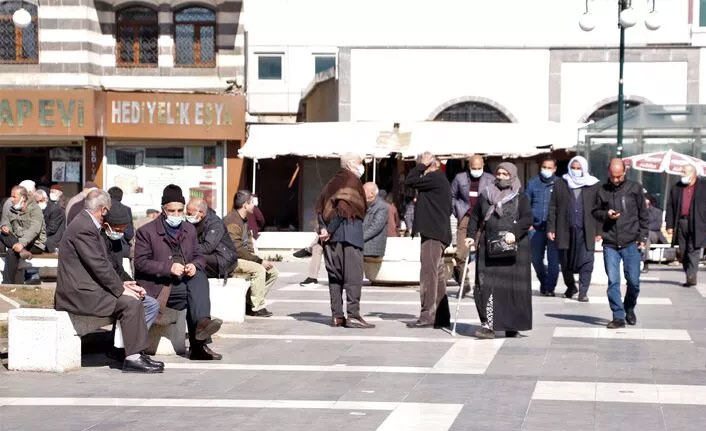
pixel 174 221
pixel 115 236
pixel 547 173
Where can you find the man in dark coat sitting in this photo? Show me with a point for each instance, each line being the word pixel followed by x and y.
pixel 214 242
pixel 87 285
pixel 171 268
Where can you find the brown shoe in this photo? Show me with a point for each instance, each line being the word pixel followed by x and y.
pixel 338 322
pixel 357 322
pixel 690 281
pixel 207 327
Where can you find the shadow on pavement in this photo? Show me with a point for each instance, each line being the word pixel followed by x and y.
pixel 591 320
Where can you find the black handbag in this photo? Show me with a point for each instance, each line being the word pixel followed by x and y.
pixel 497 248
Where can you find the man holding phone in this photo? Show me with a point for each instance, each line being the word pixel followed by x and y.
pixel 620 207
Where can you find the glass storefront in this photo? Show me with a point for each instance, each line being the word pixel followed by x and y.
pixel 143 169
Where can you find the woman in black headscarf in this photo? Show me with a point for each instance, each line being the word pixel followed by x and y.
pixel 504 292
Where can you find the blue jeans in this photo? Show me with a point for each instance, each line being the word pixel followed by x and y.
pixel 151 306
pixel 548 275
pixel 631 258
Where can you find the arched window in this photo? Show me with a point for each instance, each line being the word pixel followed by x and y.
pixel 472 112
pixel 17 45
pixel 610 109
pixel 195 37
pixel 137 37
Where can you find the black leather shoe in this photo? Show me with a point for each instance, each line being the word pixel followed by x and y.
pixel 570 292
pixel 583 297
pixel 338 322
pixel 550 294
pixel 512 334
pixel 202 352
pixel 485 334
pixel 263 312
pixel 153 362
pixel 141 365
pixel 418 324
pixel 358 322
pixel 302 253
pixel 616 324
pixel 630 318
pixel 207 327
pixel 645 268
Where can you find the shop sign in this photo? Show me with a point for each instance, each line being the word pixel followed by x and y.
pixel 57 112
pixel 169 116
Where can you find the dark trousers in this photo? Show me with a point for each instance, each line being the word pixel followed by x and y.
pixel 432 283
pixel 13 259
pixel 585 272
pixel 689 255
pixel 191 294
pixel 212 266
pixel 131 314
pixel 344 264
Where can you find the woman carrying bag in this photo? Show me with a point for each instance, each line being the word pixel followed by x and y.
pixel 499 224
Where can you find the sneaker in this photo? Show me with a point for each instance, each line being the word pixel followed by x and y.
pixel 302 253
pixel 485 333
pixel 309 281
pixel 616 324
pixel 583 297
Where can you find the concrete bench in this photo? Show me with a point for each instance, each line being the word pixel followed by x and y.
pixel 46 262
pixel 401 263
pixel 228 299
pixel 49 340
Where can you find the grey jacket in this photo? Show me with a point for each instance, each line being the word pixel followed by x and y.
pixel 461 189
pixel 375 228
pixel 28 226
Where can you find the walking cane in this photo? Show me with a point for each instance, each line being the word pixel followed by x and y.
pixel 460 293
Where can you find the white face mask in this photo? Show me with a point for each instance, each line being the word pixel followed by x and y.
pixel 476 173
pixel 193 219
pixel 686 180
pixel 255 201
pixel 578 173
pixel 18 206
pixel 361 170
pixel 174 221
pixel 54 197
pixel 42 205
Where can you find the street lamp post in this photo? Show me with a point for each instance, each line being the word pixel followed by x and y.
pixel 626 19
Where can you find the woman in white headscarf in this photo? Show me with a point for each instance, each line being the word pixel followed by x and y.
pixel 503 293
pixel 572 226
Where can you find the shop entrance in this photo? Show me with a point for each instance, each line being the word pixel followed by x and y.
pixel 43 165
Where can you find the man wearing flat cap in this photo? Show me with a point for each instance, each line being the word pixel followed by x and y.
pixel 169 265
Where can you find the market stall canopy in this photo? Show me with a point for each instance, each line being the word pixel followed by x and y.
pixel 665 161
pixel 379 139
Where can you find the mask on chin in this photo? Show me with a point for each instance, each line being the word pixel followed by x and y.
pixel 18 206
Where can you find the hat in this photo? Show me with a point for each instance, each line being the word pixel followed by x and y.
pixel 172 193
pixel 57 187
pixel 29 185
pixel 118 214
pixel 90 185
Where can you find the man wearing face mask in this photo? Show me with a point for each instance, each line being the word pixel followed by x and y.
pixel 56 195
pixel 54 220
pixel 214 242
pixel 686 221
pixel 169 265
pixel 465 190
pixel 621 210
pixel 539 191
pixel 432 221
pixel 22 231
pixel 116 196
pixel 340 210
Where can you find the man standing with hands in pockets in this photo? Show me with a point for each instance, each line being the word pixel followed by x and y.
pixel 621 210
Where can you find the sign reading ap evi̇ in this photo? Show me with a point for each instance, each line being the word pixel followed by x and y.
pixel 175 116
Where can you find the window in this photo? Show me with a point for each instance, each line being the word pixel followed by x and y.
pixel 195 37
pixel 17 45
pixel 702 13
pixel 323 63
pixel 137 37
pixel 472 112
pixel 610 109
pixel 269 67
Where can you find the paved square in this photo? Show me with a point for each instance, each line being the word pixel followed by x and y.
pixel 295 372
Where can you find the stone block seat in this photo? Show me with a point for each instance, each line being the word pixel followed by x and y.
pixel 46 262
pixel 401 263
pixel 228 298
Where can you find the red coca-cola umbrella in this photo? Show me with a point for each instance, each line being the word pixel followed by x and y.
pixel 668 162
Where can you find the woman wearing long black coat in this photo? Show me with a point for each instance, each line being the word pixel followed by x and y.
pixel 504 292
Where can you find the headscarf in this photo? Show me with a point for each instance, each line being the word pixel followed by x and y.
pixel 496 196
pixel 586 180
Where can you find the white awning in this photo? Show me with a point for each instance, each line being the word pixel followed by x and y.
pixel 379 139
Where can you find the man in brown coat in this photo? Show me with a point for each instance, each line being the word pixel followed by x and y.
pixel 87 284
